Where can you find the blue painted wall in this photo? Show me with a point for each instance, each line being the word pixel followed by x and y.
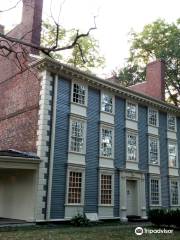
pixel 120 148
pixel 164 159
pixel 92 151
pixel 60 149
pixel 143 145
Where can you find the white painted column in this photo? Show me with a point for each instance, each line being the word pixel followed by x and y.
pixel 123 199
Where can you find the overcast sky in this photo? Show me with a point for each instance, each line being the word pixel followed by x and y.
pixel 115 18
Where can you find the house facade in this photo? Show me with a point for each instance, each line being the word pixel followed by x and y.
pixel 98 147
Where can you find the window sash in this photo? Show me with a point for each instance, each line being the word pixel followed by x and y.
pixel 172 151
pixel 106 142
pixel 79 94
pixel 131 147
pixel 153 117
pixel 174 192
pixel 107 103
pixel 131 111
pixel 153 151
pixel 77 136
pixel 155 191
pixel 171 123
pixel 75 187
pixel 106 189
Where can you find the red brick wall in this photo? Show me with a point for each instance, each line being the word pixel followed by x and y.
pixel 19 93
pixel 155 81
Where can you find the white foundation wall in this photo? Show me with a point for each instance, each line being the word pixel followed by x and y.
pixel 17 195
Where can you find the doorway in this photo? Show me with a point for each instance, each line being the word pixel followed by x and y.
pixel 132 198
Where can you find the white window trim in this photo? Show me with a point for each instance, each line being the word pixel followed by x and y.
pixel 160 200
pixel 137 145
pixel 135 120
pixel 173 142
pixel 170 180
pixel 75 169
pixel 157 124
pixel 70 132
pixel 106 127
pixel 86 93
pixel 155 137
pixel 170 130
pixel 113 102
pixel 111 173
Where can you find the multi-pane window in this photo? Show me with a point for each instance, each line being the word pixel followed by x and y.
pixel 106 189
pixel 107 103
pixel 171 122
pixel 79 94
pixel 131 111
pixel 106 142
pixel 131 147
pixel 153 117
pixel 155 191
pixel 77 136
pixel 75 187
pixel 153 150
pixel 172 151
pixel 174 192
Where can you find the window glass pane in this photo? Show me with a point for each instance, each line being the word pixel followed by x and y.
pixel 131 111
pixel 153 116
pixel 172 155
pixel 77 136
pixel 155 191
pixel 153 151
pixel 106 189
pixel 106 142
pixel 131 147
pixel 75 187
pixel 79 94
pixel 171 123
pixel 174 193
pixel 107 103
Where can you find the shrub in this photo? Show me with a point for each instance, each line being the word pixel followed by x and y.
pixel 80 220
pixel 165 217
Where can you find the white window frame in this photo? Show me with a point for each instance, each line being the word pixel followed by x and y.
pixel 75 169
pixel 150 192
pixel 175 129
pixel 175 143
pixel 158 148
pixel 113 102
pixel 170 184
pixel 86 93
pixel 135 133
pixel 157 117
pixel 109 173
pixel 136 105
pixel 108 127
pixel 84 133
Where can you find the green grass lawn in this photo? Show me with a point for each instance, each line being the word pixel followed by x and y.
pixel 104 232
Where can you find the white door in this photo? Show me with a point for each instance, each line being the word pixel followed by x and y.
pixel 132 198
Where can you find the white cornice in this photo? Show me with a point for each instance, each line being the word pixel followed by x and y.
pixel 66 71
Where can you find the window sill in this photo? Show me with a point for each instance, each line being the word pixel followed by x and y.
pixel 77 153
pixel 78 104
pixel 154 164
pixel 132 161
pixel 73 205
pixel 107 158
pixel 133 120
pixel 111 114
pixel 106 205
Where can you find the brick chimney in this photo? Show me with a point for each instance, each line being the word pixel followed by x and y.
pixel 154 86
pixel 30 27
pixel 1 29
